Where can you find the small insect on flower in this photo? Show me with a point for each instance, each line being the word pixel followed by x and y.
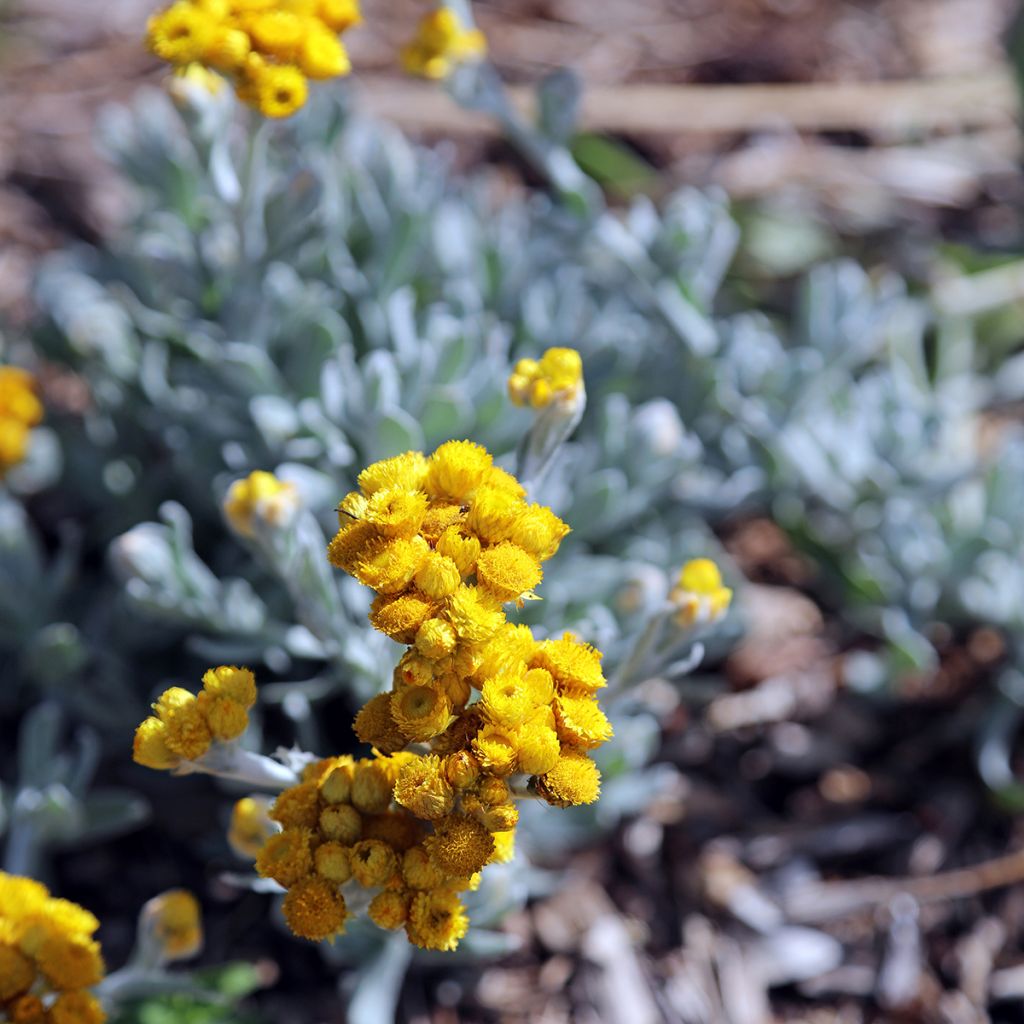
pixel 699 595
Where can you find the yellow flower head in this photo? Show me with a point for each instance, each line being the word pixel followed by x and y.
pixel 173 921
pixel 47 953
pixel 423 788
pixel 436 638
pixel 20 410
pixel 333 862
pixel 341 822
pixel 314 909
pixel 475 614
pixel 537 748
pixel 461 769
pixel 268 47
pixel 376 725
pixel 573 780
pixel 699 594
pixel 581 722
pixel 437 920
pixel 459 846
pixel 456 469
pixel 373 862
pixel 407 472
pixel 421 712
pixel 441 43
pixel 76 1008
pixel 298 806
pixel 573 665
pixel 400 617
pixel 260 498
pixel 508 572
pixel 389 909
pixel 250 826
pixel 371 788
pixel 235 684
pixel 286 857
pixel 557 376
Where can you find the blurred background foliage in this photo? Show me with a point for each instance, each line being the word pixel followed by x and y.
pixel 808 367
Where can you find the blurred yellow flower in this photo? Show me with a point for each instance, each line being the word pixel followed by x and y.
pixel 270 49
pixel 556 376
pixel 259 497
pixel 699 594
pixel 173 923
pixel 20 410
pixel 441 43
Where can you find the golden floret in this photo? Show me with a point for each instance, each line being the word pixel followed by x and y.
pixel 508 572
pixel 456 469
pixel 538 530
pixel 388 565
pixel 461 769
pixel 423 789
pixel 574 780
pixel 237 684
pixel 174 922
pixel 459 846
pixel 462 550
pixel 375 724
pixel 371 788
pixel 341 822
pixel 226 719
pixel 69 961
pixel 250 826
pixel 17 973
pixel 76 1008
pixel 336 783
pixel 496 748
pixel 437 920
pixel 407 472
pixel 314 909
pixel 279 90
pixel 438 576
pixel 150 746
pixel 333 863
pixel 298 806
pixel 537 748
pixel 401 616
pixel 436 638
pixel 389 909
pixel 574 665
pixel 373 862
pixel 475 614
pixel 581 722
pixel 259 497
pixel 421 712
pixel 286 857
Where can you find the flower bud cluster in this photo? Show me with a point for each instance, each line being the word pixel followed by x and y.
pixel 441 43
pixel 48 957
pixel 186 725
pixel 699 595
pixel 260 497
pixel 446 542
pixel 342 830
pixel 556 376
pixel 269 48
pixel 20 410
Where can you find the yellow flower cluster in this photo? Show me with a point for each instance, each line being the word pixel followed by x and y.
pixel 20 410
pixel 699 594
pixel 259 496
pixel 269 48
pixel 174 924
pixel 341 826
pixel 558 374
pixel 446 542
pixel 185 725
pixel 48 957
pixel 441 43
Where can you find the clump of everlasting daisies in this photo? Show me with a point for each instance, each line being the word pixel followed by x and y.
pixel 48 957
pixel 185 725
pixel 446 542
pixel 270 49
